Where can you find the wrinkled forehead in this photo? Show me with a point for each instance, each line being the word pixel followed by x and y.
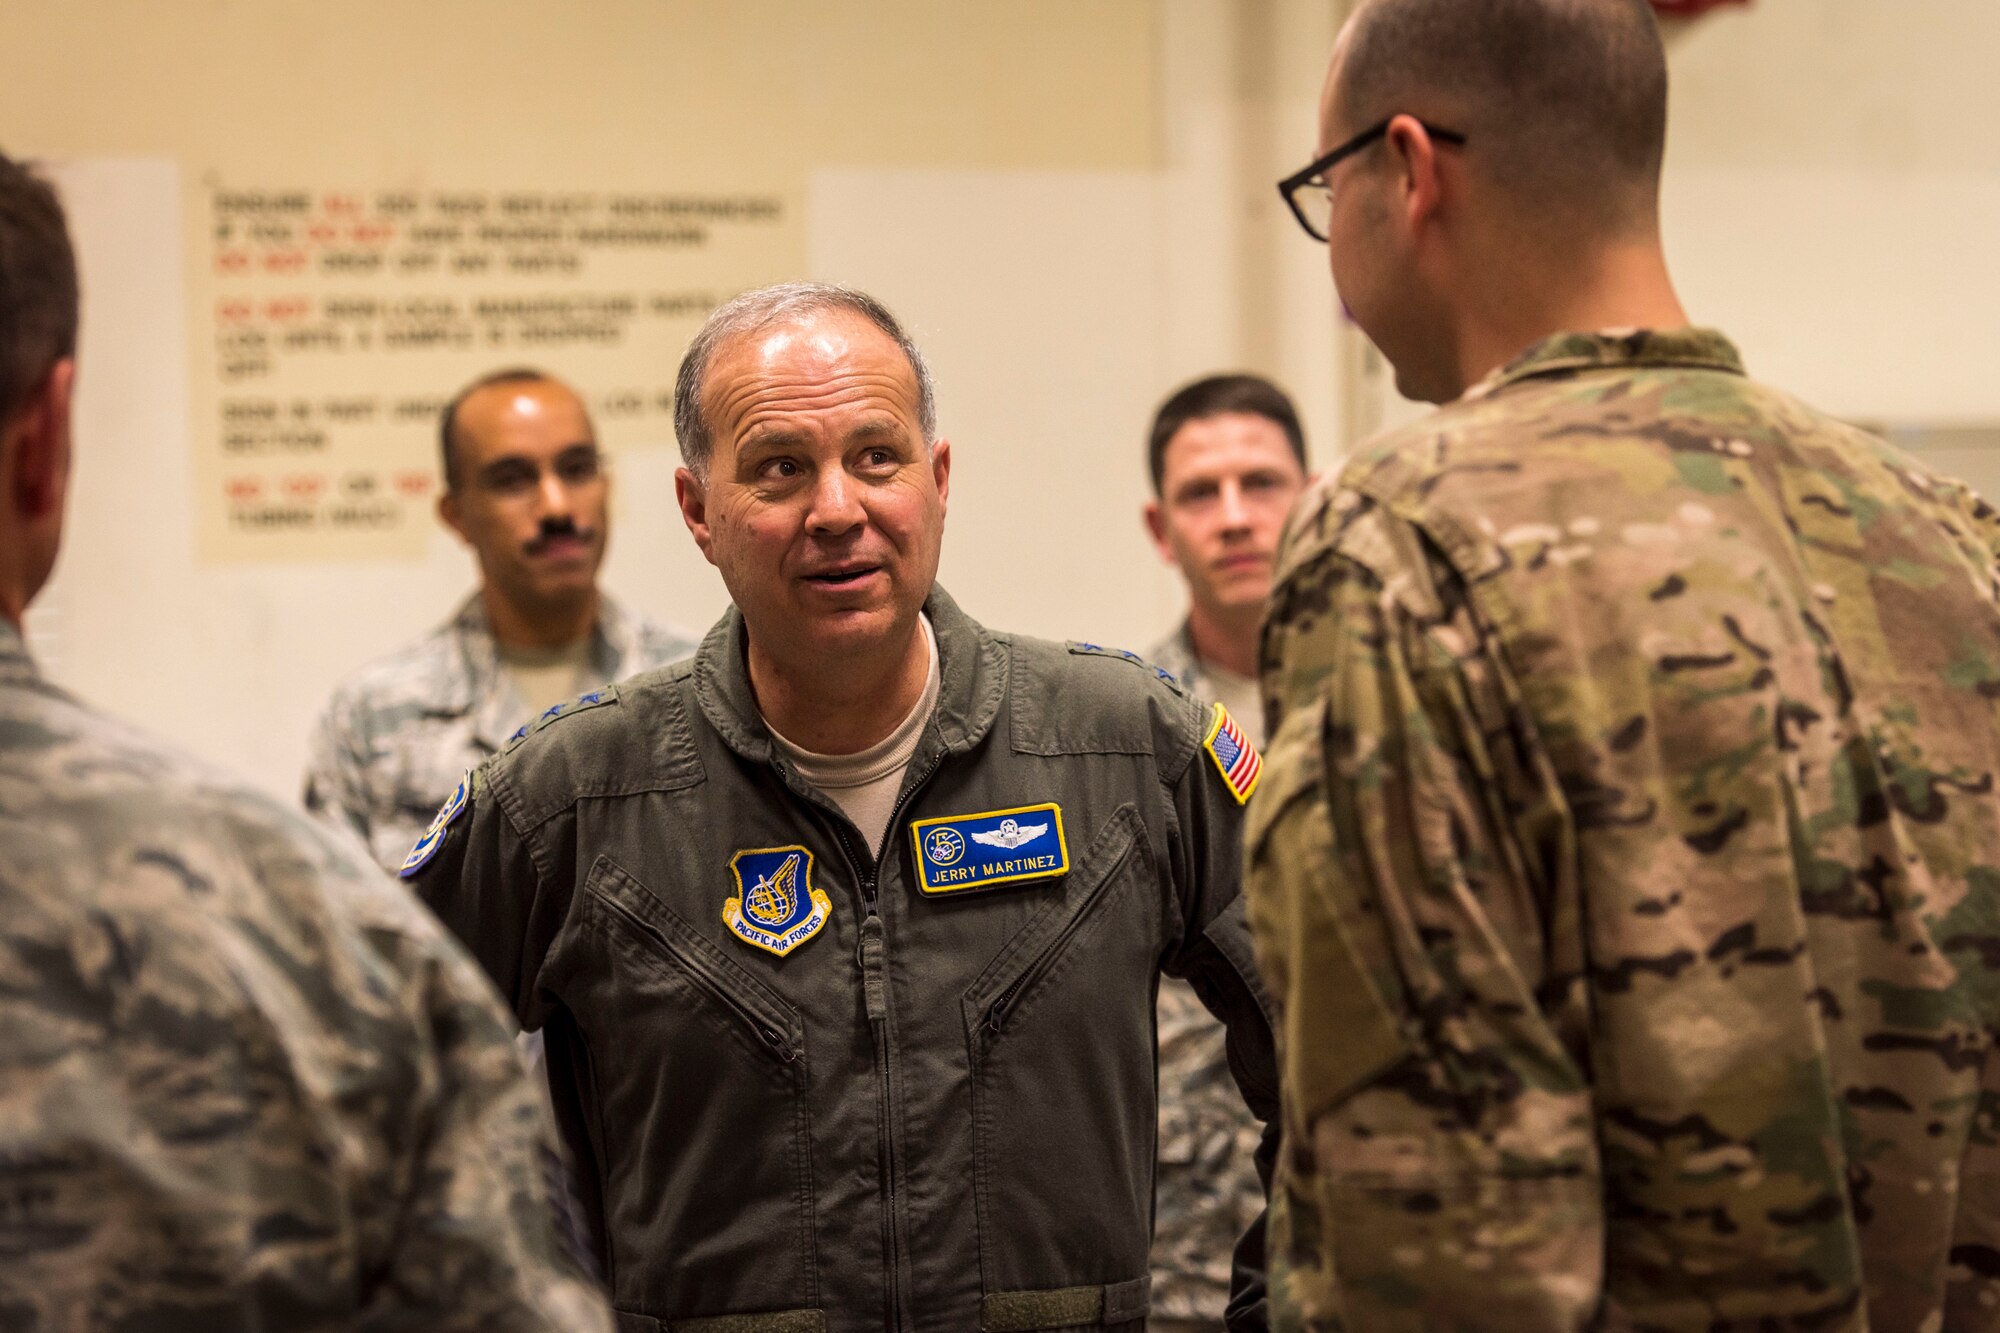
pixel 818 362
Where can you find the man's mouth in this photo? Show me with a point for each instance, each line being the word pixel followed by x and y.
pixel 843 577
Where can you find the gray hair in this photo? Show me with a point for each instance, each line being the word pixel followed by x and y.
pixel 759 309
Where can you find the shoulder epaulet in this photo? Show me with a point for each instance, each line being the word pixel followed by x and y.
pixel 1121 654
pixel 597 698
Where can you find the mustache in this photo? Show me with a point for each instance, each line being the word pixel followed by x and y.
pixel 553 528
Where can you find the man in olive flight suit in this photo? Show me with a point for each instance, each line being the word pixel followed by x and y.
pixel 1628 866
pixel 846 934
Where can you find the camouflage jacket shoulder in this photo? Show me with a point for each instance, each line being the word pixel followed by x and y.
pixel 399 733
pixel 1631 818
pixel 191 973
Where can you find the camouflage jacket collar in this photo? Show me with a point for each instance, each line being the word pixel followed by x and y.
pixel 1614 349
pixel 1176 656
pixel 16 666
pixel 972 671
pixel 483 687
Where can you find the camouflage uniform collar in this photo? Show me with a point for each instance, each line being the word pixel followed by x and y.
pixel 16 665
pixel 972 680
pixel 483 687
pixel 1614 349
pixel 1176 656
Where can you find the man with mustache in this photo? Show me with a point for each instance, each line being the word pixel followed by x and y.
pixel 1227 459
pixel 527 491
pixel 845 934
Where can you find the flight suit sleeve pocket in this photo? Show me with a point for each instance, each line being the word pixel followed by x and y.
pixel 1323 945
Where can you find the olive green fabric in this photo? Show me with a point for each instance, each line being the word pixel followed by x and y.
pixel 1071 1307
pixel 931 1100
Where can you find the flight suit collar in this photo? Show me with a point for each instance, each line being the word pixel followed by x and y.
pixel 16 666
pixel 972 681
pixel 1615 349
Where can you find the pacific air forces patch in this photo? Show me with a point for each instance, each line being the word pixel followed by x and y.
pixel 427 846
pixel 962 852
pixel 776 906
pixel 1235 757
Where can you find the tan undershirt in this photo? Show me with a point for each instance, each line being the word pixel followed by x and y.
pixel 545 677
pixel 1239 695
pixel 865 785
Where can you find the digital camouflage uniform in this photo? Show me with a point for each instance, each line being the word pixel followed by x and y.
pixel 397 737
pixel 1627 868
pixel 246 1083
pixel 1206 1192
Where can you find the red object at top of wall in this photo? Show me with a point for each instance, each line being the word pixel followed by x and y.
pixel 1689 8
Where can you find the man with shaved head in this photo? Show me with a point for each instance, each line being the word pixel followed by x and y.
pixel 1627 867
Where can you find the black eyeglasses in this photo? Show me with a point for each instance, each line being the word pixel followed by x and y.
pixel 1306 192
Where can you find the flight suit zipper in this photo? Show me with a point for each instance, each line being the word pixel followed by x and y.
pixel 996 1013
pixel 704 977
pixel 871 953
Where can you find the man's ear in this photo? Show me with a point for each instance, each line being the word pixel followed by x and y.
pixel 1416 159
pixel 941 470
pixel 693 497
pixel 450 514
pixel 1156 528
pixel 38 479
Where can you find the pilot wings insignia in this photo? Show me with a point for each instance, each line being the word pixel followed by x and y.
pixel 1011 835
pixel 977 851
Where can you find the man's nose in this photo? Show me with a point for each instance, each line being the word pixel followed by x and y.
pixel 1235 510
pixel 836 503
pixel 552 496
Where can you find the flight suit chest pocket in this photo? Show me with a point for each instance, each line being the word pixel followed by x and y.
pixel 1059 1032
pixel 734 1001
pixel 700 1076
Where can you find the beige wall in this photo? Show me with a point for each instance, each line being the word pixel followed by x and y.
pixel 1071 203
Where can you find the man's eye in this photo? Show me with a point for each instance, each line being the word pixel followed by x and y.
pixel 781 468
pixel 879 457
pixel 1197 495
pixel 578 470
pixel 509 481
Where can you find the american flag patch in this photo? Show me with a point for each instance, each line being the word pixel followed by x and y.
pixel 1235 757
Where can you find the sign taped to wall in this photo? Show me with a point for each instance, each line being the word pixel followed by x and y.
pixel 331 326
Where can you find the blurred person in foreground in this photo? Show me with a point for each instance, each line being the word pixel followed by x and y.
pixel 1227 460
pixel 527 490
pixel 1628 864
pixel 845 934
pixel 245 1082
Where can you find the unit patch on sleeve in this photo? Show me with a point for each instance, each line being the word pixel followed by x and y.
pixel 961 852
pixel 421 854
pixel 776 906
pixel 1235 757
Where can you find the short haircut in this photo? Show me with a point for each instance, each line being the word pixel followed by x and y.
pixel 448 419
pixel 1563 102
pixel 1252 395
pixel 755 311
pixel 38 290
